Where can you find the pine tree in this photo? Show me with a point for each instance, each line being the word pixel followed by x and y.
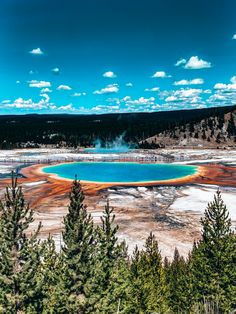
pixel 179 282
pixel 154 279
pixel 56 298
pixel 118 293
pixel 20 286
pixel 138 293
pixel 214 259
pixel 108 254
pixel 78 248
pixel 148 279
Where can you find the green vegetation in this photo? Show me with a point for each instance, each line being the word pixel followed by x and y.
pixel 83 130
pixel 93 273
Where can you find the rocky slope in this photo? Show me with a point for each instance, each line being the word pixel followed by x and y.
pixel 215 131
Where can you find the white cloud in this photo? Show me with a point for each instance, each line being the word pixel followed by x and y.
pixel 39 84
pixel 109 89
pixel 56 70
pixel 217 97
pixel 153 89
pixel 197 81
pixel 64 87
pixel 45 96
pixel 226 87
pixel 190 92
pixel 109 74
pixel 45 90
pixel 171 98
pixel 234 36
pixel 126 98
pixel 78 94
pixel 141 101
pixel 66 108
pixel 233 80
pixel 160 74
pixel 52 107
pixel 156 106
pixel 114 100
pixel 29 104
pixel 207 91
pixel 104 108
pixel 36 51
pixel 6 101
pixel 21 103
pixel 141 104
pixel 129 84
pixel 225 94
pixel 184 95
pixel 220 86
pixel 180 62
pixel 194 63
pixel 17 82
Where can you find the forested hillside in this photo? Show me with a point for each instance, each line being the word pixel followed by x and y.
pixel 217 130
pixel 84 130
pixel 92 272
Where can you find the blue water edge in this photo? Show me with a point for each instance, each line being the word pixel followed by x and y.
pixel 123 172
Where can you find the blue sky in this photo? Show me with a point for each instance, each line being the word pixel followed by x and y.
pixel 105 56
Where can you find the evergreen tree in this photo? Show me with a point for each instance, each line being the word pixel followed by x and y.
pixel 138 301
pixel 148 279
pixel 179 282
pixel 204 135
pixel 20 286
pixel 118 293
pixel 214 259
pixel 78 248
pixel 109 254
pixel 56 298
pixel 231 129
pixel 93 273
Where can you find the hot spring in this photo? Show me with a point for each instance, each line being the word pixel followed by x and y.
pixel 107 150
pixel 120 172
pixel 115 147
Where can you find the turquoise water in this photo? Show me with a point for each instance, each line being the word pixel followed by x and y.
pixel 123 172
pixel 105 150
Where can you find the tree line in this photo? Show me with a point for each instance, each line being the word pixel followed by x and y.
pixel 92 272
pixel 63 130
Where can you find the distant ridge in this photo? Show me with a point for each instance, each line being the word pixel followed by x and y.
pixel 151 130
pixel 215 131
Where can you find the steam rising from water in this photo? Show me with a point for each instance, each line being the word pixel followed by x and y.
pixel 116 146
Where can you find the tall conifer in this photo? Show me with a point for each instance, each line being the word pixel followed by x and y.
pixel 109 254
pixel 214 259
pixel 178 277
pixel 56 298
pixel 148 279
pixel 20 286
pixel 78 237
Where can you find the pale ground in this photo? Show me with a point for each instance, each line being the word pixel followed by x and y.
pixel 172 213
pixel 173 155
pixel 196 198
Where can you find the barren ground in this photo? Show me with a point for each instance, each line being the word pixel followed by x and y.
pixel 172 213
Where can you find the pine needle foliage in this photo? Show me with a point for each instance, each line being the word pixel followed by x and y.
pixel 78 248
pixel 148 279
pixel 178 277
pixel 94 274
pixel 108 253
pixel 214 259
pixel 56 299
pixel 20 287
